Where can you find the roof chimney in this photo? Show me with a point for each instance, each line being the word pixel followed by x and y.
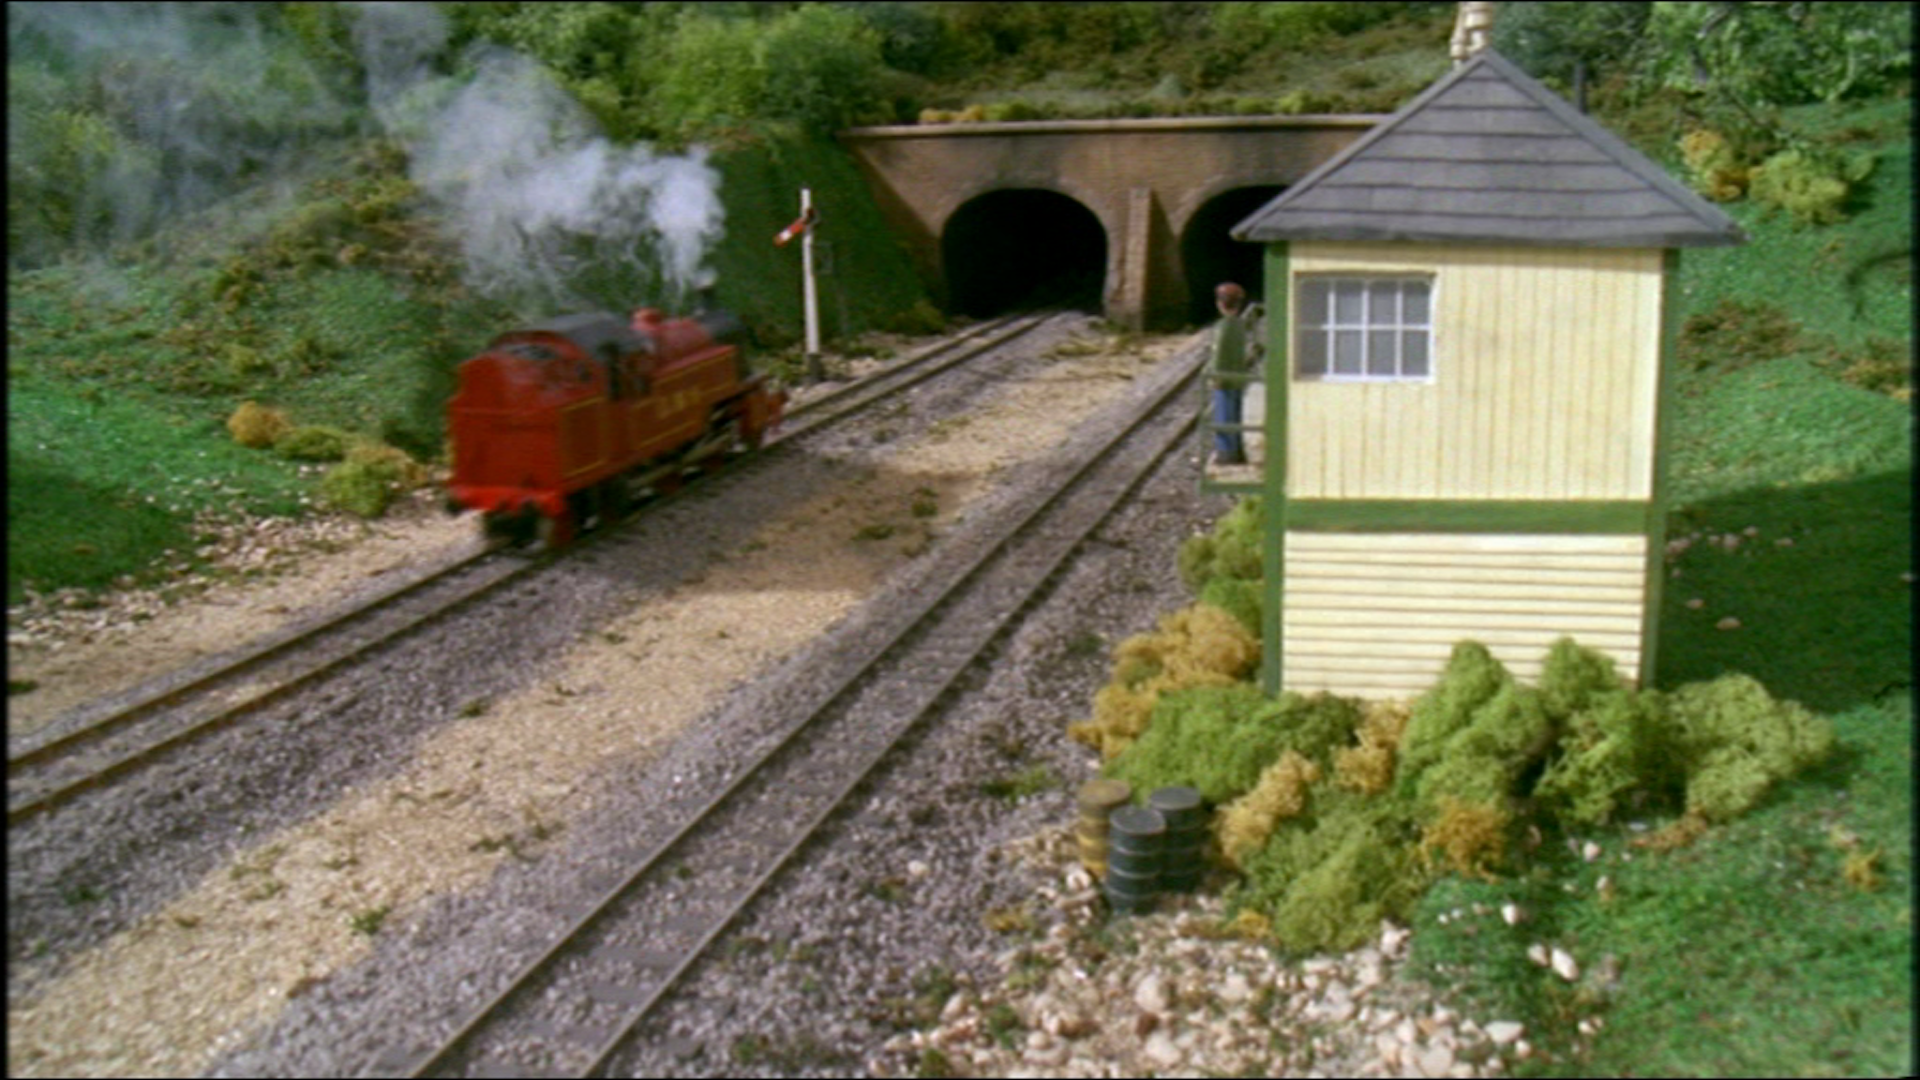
pixel 1472 26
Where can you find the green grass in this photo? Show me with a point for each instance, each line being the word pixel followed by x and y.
pixel 1747 953
pixel 100 485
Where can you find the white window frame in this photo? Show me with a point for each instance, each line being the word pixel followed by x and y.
pixel 1352 327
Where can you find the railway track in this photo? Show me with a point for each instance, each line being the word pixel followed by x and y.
pixel 127 733
pixel 100 742
pixel 846 400
pixel 570 1009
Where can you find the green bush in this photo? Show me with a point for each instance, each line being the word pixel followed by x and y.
pixel 1613 745
pixel 1574 676
pixel 1237 597
pixel 1471 678
pixel 919 319
pixel 1300 23
pixel 1231 550
pixel 1812 188
pixel 1008 111
pixel 1211 738
pixel 1737 741
pixel 1481 756
pixel 1219 739
pixel 370 478
pixel 823 68
pixel 1326 880
pixel 314 443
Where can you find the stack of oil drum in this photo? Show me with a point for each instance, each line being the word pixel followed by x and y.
pixel 1140 852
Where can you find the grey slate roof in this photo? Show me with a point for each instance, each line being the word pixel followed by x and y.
pixel 1488 155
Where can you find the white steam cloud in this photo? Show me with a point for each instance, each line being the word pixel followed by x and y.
pixel 548 212
pixel 209 99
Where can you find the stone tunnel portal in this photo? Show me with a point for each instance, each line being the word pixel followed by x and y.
pixel 1023 247
pixel 1211 256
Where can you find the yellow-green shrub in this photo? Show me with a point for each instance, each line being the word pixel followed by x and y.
pixel 1231 550
pixel 1197 646
pixel 1812 188
pixel 1612 747
pixel 1214 739
pixel 1220 739
pixel 256 426
pixel 1472 836
pixel 1325 880
pixel 314 443
pixel 370 478
pixel 1368 767
pixel 1471 678
pixel 1713 165
pixel 1245 824
pixel 1738 741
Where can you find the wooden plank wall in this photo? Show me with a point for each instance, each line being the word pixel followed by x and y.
pixel 1544 374
pixel 1376 615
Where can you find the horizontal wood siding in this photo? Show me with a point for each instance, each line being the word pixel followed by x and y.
pixel 1545 364
pixel 1376 615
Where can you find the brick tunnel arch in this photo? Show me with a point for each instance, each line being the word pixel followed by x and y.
pixel 1210 256
pixel 1023 247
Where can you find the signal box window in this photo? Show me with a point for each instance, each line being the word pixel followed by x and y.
pixel 1364 328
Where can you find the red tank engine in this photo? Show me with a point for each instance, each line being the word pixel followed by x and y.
pixel 558 425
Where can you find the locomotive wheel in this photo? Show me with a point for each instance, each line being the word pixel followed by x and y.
pixel 555 532
pixel 614 501
pixel 515 529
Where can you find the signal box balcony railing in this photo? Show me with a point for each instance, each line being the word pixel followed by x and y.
pixel 1249 476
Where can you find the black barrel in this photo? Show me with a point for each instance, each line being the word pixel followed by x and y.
pixel 1098 798
pixel 1185 841
pixel 1134 835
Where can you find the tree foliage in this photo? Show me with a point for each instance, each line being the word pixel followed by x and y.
pixel 819 67
pixel 1779 53
pixel 1553 40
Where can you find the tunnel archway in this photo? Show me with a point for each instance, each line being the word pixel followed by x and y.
pixel 1210 255
pixel 1023 247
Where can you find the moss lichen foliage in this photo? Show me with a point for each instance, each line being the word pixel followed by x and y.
pixel 1223 568
pixel 1198 647
pixel 1339 813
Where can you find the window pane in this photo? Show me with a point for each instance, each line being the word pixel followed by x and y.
pixel 1413 357
pixel 1349 302
pixel 1311 355
pixel 1383 308
pixel 1418 303
pixel 1313 302
pixel 1381 352
pixel 1346 352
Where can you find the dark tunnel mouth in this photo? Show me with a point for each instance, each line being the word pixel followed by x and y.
pixel 1211 255
pixel 1023 248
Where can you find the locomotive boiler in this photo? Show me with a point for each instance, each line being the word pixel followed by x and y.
pixel 558 426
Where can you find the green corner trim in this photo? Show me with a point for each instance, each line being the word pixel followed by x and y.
pixel 1273 555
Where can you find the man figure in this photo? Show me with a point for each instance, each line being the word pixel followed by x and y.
pixel 1232 364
